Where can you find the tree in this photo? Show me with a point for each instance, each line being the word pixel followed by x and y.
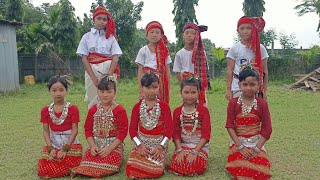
pixel 184 12
pixel 66 28
pixel 219 59
pixel 14 11
pixel 32 14
pixel 309 57
pixel 268 37
pixel 288 41
pixel 308 6
pixel 3 8
pixel 253 8
pixel 126 15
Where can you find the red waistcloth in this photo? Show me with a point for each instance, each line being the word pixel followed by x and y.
pixel 73 117
pixel 164 126
pixel 234 116
pixel 120 118
pixel 111 26
pixel 59 168
pixel 162 53
pixel 97 58
pixel 257 25
pixel 204 120
pixel 198 55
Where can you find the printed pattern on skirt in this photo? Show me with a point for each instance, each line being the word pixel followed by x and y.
pixel 97 167
pixel 248 128
pixel 59 168
pixel 198 167
pixel 139 166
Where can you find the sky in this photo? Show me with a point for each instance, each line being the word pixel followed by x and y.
pixel 221 17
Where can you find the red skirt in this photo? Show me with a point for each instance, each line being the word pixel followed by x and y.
pixel 255 168
pixel 54 168
pixel 185 169
pixel 140 167
pixel 97 167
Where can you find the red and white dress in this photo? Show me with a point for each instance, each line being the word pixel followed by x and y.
pixel 190 128
pixel 104 127
pixel 142 167
pixel 249 127
pixel 59 135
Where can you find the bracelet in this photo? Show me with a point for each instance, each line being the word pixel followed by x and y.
pixel 240 147
pixel 256 149
pixel 50 148
pixel 66 147
pixel 178 151
pixel 194 152
pixel 164 141
pixel 136 141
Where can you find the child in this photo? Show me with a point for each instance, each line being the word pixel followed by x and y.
pixel 155 57
pixel 191 135
pixel 150 129
pixel 100 51
pixel 106 127
pixel 60 127
pixel 247 51
pixel 249 126
pixel 191 60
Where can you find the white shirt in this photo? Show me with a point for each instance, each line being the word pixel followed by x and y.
pixel 242 56
pixel 93 41
pixel 148 59
pixel 183 61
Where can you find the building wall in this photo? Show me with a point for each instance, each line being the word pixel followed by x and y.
pixel 9 75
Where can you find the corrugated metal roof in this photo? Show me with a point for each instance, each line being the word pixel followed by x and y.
pixel 13 23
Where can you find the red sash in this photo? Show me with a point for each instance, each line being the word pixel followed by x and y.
pixel 97 58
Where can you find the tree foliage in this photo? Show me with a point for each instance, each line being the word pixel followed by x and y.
pixel 268 37
pixel 309 57
pixel 253 8
pixel 308 6
pixel 288 41
pixel 126 15
pixel 66 28
pixel 14 12
pixel 184 12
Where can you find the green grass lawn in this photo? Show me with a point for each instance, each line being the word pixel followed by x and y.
pixel 293 148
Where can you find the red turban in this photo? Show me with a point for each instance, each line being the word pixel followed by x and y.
pixel 110 27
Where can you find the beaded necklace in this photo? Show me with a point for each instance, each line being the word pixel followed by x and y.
pixel 191 115
pixel 246 109
pixel 149 119
pixel 60 120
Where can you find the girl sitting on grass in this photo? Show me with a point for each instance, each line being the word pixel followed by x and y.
pixel 105 128
pixel 192 129
pixel 60 120
pixel 249 126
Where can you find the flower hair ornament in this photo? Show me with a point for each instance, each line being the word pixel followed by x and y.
pixel 112 77
pixel 68 78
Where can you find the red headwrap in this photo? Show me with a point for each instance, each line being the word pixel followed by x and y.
pixel 198 56
pixel 110 27
pixel 257 25
pixel 162 53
